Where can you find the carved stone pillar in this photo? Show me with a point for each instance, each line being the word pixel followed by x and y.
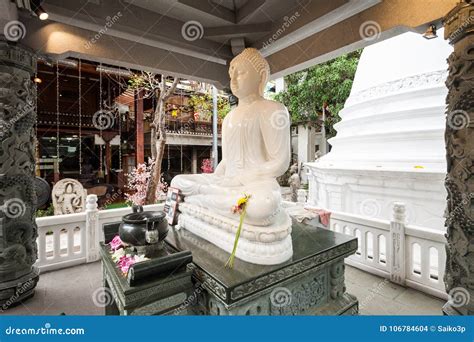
pixel 459 276
pixel 18 230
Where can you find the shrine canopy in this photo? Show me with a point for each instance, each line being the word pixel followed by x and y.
pixel 196 39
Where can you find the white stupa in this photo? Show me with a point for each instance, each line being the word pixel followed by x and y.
pixel 389 145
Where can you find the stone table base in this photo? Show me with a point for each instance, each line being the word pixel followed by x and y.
pixel 310 283
pixel 157 295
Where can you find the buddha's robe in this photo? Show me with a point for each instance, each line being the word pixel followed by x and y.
pixel 255 150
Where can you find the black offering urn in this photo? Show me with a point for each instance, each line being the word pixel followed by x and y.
pixel 143 228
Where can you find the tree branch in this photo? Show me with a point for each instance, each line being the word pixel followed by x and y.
pixel 172 88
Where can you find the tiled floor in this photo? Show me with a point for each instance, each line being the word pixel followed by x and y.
pixel 71 290
pixel 66 291
pixel 378 296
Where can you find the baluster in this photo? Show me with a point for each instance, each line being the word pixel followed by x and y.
pixel 376 248
pixel 56 243
pixel 41 244
pixel 397 244
pixel 441 263
pixel 70 241
pixel 91 242
pixel 363 244
pixel 425 260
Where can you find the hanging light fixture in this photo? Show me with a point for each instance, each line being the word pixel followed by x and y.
pixel 430 32
pixel 38 9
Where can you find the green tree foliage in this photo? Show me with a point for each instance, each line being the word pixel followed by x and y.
pixel 202 103
pixel 327 83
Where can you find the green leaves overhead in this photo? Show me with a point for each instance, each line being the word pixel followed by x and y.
pixel 308 90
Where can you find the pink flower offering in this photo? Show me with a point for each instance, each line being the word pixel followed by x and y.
pixel 116 243
pixel 125 262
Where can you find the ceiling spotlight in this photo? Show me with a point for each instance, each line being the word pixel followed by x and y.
pixel 37 80
pixel 38 9
pixel 43 15
pixel 430 32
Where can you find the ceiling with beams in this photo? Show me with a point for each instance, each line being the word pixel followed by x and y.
pixel 198 38
pixel 218 29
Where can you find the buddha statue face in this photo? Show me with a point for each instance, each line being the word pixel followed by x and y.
pixel 248 73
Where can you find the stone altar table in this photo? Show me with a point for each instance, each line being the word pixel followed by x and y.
pixel 310 283
pixel 160 294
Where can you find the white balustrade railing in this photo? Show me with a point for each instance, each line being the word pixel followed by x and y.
pixel 69 240
pixel 405 254
pixel 60 241
pixel 408 255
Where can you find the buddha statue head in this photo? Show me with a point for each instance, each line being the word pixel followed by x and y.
pixel 249 73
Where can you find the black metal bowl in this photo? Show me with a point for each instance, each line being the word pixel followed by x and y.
pixel 142 228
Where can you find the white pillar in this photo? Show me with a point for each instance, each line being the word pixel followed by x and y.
pixel 397 244
pixel 279 85
pixel 92 229
pixel 194 163
pixel 324 144
pixel 306 149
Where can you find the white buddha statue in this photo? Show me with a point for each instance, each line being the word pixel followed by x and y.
pixel 255 150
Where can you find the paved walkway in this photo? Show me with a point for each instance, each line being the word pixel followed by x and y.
pixel 70 291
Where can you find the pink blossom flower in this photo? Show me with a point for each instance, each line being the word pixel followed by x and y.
pixel 206 166
pixel 138 182
pixel 116 243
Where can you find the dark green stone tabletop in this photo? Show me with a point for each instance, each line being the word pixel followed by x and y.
pixel 312 247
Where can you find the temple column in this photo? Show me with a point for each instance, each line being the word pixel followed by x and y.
pixel 18 230
pixel 139 137
pixel 459 136
pixel 194 162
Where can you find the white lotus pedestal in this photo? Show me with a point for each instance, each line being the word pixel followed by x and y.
pixel 309 280
pixel 269 245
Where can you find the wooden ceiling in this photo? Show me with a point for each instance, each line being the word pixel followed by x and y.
pixel 196 39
